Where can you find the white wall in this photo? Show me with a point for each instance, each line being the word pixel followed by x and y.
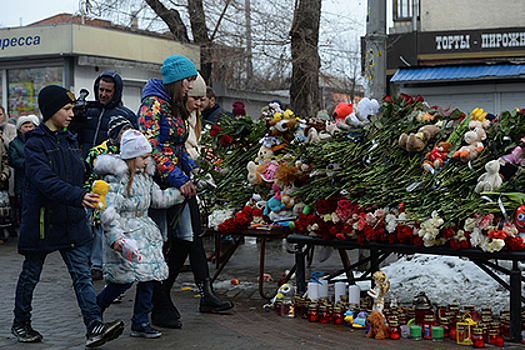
pixel 438 15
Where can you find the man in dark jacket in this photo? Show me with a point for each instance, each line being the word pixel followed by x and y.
pixel 54 218
pixel 108 93
pixel 211 111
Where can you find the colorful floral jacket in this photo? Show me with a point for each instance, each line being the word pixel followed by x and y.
pixel 167 134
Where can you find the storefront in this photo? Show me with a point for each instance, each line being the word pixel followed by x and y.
pixel 73 55
pixel 465 68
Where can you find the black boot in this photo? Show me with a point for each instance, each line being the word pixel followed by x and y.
pixel 165 313
pixel 210 303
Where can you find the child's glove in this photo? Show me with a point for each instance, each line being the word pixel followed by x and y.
pixel 130 250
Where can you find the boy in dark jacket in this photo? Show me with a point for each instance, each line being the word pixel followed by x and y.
pixel 53 218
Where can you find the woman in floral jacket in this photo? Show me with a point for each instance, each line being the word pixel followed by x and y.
pixel 163 119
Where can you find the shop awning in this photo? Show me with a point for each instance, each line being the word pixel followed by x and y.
pixel 457 72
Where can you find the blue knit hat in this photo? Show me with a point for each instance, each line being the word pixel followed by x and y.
pixel 176 68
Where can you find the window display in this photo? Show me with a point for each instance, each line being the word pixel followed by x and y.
pixel 24 86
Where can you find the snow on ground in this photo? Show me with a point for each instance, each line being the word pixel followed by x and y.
pixel 445 280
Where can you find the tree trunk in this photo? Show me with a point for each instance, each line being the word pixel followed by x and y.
pixel 304 89
pixel 172 19
pixel 201 37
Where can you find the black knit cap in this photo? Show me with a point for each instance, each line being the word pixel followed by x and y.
pixel 115 126
pixel 52 98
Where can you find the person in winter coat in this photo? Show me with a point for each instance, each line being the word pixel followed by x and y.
pixel 9 130
pixel 116 127
pixel 17 156
pixel 5 173
pixel 211 111
pixel 108 93
pixel 164 120
pixel 53 218
pixel 132 191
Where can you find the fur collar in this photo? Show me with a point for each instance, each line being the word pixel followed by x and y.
pixel 112 164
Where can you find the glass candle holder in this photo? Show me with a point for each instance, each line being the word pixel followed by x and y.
pixel 428 323
pixel 324 316
pixel 338 316
pixel 437 333
pixel 395 330
pixel 313 314
pixel 415 332
pixel 478 339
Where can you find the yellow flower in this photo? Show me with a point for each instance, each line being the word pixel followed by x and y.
pixel 288 114
pixel 278 116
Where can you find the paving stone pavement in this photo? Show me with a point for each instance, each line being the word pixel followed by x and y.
pixel 57 316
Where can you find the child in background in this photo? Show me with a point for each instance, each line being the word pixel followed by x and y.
pixel 132 191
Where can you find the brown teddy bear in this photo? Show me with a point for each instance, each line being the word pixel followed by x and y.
pixel 378 328
pixel 474 139
pixel 417 142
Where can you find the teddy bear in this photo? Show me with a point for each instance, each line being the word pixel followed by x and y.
pixel 284 128
pixel 101 188
pixel 255 172
pixel 491 180
pixel 512 162
pixel 417 142
pixel 274 204
pixel 437 157
pixel 286 175
pixel 342 110
pixel 474 139
pixel 378 328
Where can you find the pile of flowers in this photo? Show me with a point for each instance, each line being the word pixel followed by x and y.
pixel 343 220
pixel 361 184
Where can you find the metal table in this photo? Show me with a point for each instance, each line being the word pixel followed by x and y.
pixel 278 232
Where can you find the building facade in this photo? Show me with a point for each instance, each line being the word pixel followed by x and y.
pixel 468 53
pixel 73 55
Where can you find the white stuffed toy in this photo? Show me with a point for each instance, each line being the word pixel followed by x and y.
pixel 491 180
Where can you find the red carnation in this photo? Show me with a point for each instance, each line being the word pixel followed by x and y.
pixel 419 98
pixel 214 131
pixel 387 98
pixel 259 212
pixel 225 140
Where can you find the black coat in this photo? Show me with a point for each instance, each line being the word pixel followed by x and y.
pixel 95 130
pixel 52 216
pixel 16 160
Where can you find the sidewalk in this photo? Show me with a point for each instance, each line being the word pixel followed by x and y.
pixel 57 316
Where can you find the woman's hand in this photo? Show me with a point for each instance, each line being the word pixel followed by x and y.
pixel 89 201
pixel 188 189
pixel 117 246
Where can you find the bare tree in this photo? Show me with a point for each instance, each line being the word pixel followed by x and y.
pixel 304 88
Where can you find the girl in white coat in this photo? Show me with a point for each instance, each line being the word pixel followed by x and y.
pixel 132 191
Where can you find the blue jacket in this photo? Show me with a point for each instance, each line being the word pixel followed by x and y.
pixel 96 130
pixel 52 215
pixel 214 114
